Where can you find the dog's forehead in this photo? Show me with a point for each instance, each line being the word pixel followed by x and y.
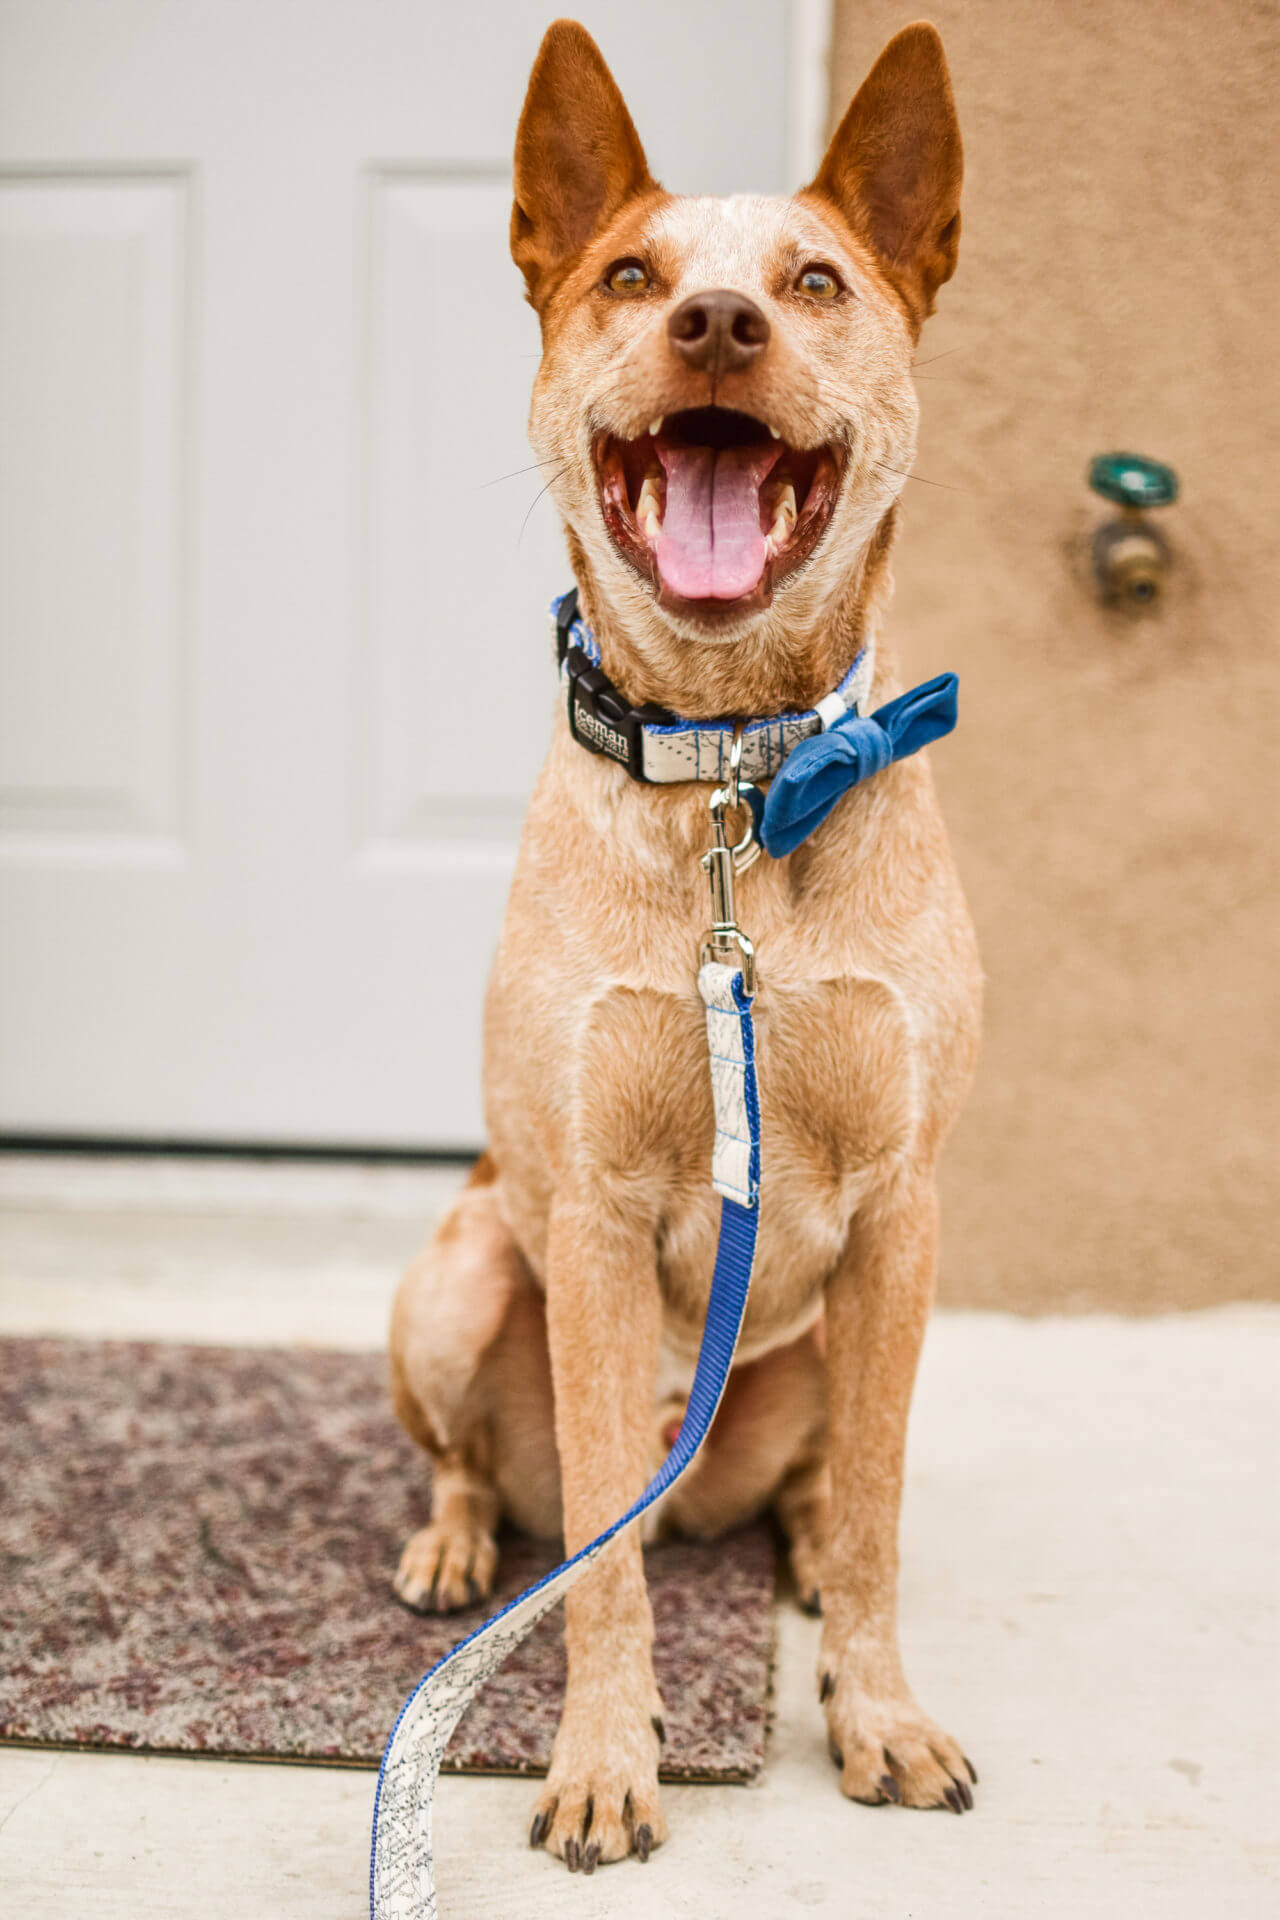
pixel 734 242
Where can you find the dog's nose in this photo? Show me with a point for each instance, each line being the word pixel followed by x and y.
pixel 718 332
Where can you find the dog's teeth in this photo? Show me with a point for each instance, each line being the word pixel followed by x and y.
pixel 655 426
pixel 784 512
pixel 775 433
pixel 649 507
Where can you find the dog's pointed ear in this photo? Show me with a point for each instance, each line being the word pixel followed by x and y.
pixel 895 165
pixel 578 157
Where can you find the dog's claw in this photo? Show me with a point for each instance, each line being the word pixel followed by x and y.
pixel 837 1758
pixel 973 1771
pixel 588 1817
pixel 906 1769
pixel 441 1571
pixel 811 1601
pixel 827 1688
pixel 660 1728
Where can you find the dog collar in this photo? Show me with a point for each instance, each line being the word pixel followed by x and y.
pixel 658 747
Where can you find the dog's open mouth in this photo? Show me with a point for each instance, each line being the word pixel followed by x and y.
pixel 713 507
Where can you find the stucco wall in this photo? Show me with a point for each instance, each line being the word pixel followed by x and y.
pixel 1112 790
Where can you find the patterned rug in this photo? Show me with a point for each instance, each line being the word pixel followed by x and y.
pixel 196 1551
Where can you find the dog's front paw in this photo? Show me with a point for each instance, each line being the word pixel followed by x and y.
pixel 445 1567
pixel 888 1751
pixel 600 1801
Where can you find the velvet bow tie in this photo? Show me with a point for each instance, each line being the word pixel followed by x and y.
pixel 817 772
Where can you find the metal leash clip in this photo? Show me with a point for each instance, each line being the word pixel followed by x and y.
pixel 724 940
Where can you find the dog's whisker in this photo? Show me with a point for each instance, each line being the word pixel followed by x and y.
pixel 537 496
pixel 513 475
pixel 944 355
pixel 902 473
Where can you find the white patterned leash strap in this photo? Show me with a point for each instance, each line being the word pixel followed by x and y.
pixel 401 1879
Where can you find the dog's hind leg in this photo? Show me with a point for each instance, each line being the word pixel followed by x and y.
pixel 471 1383
pixel 766 1448
pixel 803 1505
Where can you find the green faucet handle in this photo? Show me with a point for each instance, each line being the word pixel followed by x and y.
pixel 1131 480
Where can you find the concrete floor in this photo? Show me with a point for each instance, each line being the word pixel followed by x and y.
pixel 1090 1561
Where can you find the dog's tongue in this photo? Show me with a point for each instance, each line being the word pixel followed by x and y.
pixel 711 546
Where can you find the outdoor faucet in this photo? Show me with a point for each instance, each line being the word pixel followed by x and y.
pixel 1130 555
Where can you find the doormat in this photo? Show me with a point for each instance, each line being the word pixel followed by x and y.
pixel 196 1552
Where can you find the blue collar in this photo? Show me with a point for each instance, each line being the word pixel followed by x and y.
pixel 812 758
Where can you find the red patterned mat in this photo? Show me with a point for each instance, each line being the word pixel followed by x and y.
pixel 196 1550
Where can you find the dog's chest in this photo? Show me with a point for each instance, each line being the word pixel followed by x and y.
pixel 838 1078
pixel 597 1070
pixel 801 1235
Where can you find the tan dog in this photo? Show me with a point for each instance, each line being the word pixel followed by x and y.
pixel 541 1343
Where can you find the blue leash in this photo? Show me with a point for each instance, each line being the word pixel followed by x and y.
pixel 817 772
pixel 401 1880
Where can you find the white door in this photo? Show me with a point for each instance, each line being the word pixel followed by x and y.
pixel 274 679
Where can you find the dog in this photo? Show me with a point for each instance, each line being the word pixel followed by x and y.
pixel 751 358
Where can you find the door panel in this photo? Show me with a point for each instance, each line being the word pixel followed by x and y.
pixel 91 349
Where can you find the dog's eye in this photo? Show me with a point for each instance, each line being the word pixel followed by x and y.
pixel 819 283
pixel 626 276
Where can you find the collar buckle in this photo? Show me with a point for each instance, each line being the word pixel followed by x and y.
pixel 600 719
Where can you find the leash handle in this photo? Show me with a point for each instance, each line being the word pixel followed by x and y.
pixel 401 1876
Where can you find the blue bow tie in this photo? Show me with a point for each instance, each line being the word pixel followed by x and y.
pixel 816 773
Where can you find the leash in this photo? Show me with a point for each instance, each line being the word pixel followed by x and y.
pixel 401 1878
pixel 811 759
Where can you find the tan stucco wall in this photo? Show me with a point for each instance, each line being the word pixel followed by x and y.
pixel 1112 790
